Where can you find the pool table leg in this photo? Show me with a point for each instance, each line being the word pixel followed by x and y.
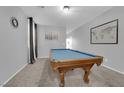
pixel 62 81
pixel 87 72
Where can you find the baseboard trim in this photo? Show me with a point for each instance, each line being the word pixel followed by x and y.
pixel 44 57
pixel 113 69
pixel 13 75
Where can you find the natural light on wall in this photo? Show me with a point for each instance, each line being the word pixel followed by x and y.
pixel 69 43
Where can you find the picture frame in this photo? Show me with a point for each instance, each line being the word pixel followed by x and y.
pixel 106 33
pixel 51 35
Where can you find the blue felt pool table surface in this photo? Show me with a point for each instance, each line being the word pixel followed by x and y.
pixel 68 54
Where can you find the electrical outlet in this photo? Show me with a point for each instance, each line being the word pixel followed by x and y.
pixel 105 59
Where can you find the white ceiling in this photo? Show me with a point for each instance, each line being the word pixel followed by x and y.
pixel 52 15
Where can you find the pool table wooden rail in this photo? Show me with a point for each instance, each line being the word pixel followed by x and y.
pixel 76 63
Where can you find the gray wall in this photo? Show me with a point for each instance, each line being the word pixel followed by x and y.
pixel 44 46
pixel 114 54
pixel 13 42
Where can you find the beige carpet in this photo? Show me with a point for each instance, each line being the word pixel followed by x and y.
pixel 40 74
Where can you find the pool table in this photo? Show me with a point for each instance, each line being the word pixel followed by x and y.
pixel 64 60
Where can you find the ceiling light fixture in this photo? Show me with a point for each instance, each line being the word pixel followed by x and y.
pixel 66 9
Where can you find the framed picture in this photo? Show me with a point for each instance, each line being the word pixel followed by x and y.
pixel 106 33
pixel 51 36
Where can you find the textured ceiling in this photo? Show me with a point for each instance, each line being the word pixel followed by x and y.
pixel 52 15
